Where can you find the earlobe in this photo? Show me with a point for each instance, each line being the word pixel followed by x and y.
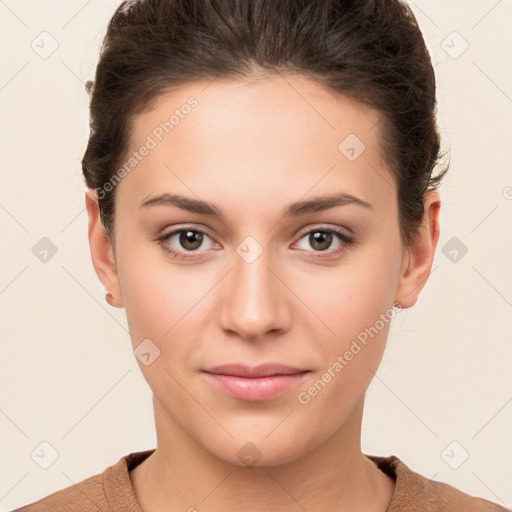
pixel 420 253
pixel 102 253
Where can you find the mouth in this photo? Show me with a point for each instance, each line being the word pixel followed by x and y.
pixel 254 383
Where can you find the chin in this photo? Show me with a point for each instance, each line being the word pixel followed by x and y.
pixel 260 452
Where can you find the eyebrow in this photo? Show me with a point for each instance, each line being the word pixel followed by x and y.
pixel 313 205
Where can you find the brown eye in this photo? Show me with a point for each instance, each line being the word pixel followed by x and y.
pixel 324 243
pixel 190 240
pixel 186 242
pixel 320 240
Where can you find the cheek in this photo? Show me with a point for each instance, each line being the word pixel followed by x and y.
pixel 350 298
pixel 156 295
pixel 149 310
pixel 351 358
pixel 166 305
pixel 159 313
pixel 355 305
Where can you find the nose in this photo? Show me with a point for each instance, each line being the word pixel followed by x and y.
pixel 254 300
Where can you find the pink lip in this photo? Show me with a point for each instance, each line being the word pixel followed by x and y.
pixel 255 383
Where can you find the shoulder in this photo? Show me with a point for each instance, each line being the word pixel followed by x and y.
pixel 84 496
pixel 415 493
pixel 106 491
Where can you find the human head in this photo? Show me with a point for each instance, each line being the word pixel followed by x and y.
pixel 252 145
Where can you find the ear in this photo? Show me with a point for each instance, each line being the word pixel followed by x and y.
pixel 102 251
pixel 419 255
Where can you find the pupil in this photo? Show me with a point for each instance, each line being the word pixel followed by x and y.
pixel 322 237
pixel 190 237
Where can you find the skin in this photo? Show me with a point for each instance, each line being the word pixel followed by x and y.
pixel 251 148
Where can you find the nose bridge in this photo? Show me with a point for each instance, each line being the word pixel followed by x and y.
pixel 253 303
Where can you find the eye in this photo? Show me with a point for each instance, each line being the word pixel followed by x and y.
pixel 190 242
pixel 184 240
pixel 321 239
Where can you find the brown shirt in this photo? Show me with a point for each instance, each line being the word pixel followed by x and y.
pixel 112 491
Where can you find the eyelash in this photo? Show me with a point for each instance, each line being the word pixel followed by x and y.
pixel 347 242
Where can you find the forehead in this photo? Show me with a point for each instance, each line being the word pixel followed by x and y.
pixel 281 132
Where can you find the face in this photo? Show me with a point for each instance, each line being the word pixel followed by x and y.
pixel 260 274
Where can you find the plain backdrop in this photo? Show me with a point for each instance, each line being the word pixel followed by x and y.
pixel 68 377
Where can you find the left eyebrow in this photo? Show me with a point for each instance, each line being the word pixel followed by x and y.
pixel 322 203
pixel 313 205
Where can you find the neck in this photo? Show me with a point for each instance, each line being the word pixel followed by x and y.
pixel 182 475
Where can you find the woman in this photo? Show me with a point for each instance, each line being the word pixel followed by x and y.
pixel 261 198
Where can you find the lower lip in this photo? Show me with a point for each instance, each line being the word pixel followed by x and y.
pixel 254 389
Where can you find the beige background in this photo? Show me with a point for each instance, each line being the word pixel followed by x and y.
pixel 67 373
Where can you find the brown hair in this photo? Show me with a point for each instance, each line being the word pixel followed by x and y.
pixel 369 50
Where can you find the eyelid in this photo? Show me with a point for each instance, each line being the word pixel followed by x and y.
pixel 346 242
pixel 324 227
pixel 176 253
pixel 179 229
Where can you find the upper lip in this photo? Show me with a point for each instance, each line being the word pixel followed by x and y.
pixel 262 370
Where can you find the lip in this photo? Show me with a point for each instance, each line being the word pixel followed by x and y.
pixel 254 383
pixel 261 370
